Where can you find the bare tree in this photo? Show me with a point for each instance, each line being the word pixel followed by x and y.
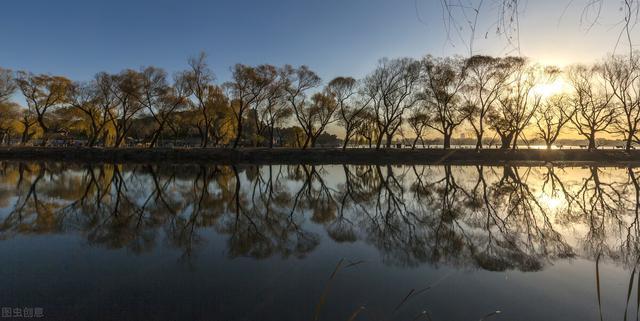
pixel 315 115
pixel 127 90
pixel 43 93
pixel 551 117
pixel 264 110
pixel 418 121
pixel 245 91
pixel 162 100
pixel 486 78
pixel 391 89
pixel 273 108
pixel 592 100
pixel 517 103
pixel 200 80
pixel 442 81
pixel 622 75
pixel 350 108
pixel 368 127
pixel 298 82
pixel 94 103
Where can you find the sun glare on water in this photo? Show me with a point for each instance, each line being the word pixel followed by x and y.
pixel 552 202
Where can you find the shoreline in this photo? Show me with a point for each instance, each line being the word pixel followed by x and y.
pixel 318 156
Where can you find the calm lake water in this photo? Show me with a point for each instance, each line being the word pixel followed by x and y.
pixel 189 242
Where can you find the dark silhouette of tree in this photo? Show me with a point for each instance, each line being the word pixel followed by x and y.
pixel 209 101
pixel 272 109
pixel 350 107
pixel 443 79
pixel 418 122
pixel 391 87
pixel 368 128
pixel 162 100
pixel 594 112
pixel 486 78
pixel 94 101
pixel 127 90
pixel 551 117
pixel 622 75
pixel 313 114
pixel 516 103
pixel 246 90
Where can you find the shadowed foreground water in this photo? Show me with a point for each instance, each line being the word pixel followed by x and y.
pixel 159 242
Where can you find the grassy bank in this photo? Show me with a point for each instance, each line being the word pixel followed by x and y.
pixel 319 156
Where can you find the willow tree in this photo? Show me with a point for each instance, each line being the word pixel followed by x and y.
pixel 245 90
pixel 350 105
pixel 552 116
pixel 126 87
pixel 314 115
pixel 418 122
pixel 94 102
pixel 162 100
pixel 622 75
pixel 442 82
pixel 298 82
pixel 391 87
pixel 272 109
pixel 265 110
pixel 518 102
pixel 205 97
pixel 486 77
pixel 592 99
pixel 43 93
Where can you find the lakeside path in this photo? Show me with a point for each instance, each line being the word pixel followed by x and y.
pixel 322 156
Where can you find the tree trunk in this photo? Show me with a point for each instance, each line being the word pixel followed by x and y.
pixel 347 137
pixel 505 140
pixel 271 129
pixel 378 142
pixel 239 133
pixel 313 141
pixel 45 131
pixel 306 141
pixel 628 142
pixel 479 134
pixel 154 139
pixel 592 142
pixel 388 140
pixel 25 135
pixel 447 141
pixel 479 143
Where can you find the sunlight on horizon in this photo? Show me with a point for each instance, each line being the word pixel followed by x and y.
pixel 556 87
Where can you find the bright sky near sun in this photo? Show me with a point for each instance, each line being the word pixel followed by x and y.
pixel 78 38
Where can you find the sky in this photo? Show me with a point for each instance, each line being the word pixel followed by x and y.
pixel 78 38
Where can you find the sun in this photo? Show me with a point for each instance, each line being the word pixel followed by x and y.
pixel 549 89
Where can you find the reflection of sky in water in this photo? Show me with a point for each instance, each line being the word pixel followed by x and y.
pixel 178 242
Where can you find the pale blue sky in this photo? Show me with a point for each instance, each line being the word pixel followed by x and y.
pixel 78 38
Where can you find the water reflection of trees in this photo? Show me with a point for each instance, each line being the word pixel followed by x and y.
pixel 494 218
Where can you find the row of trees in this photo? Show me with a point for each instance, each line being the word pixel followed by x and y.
pixel 401 97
